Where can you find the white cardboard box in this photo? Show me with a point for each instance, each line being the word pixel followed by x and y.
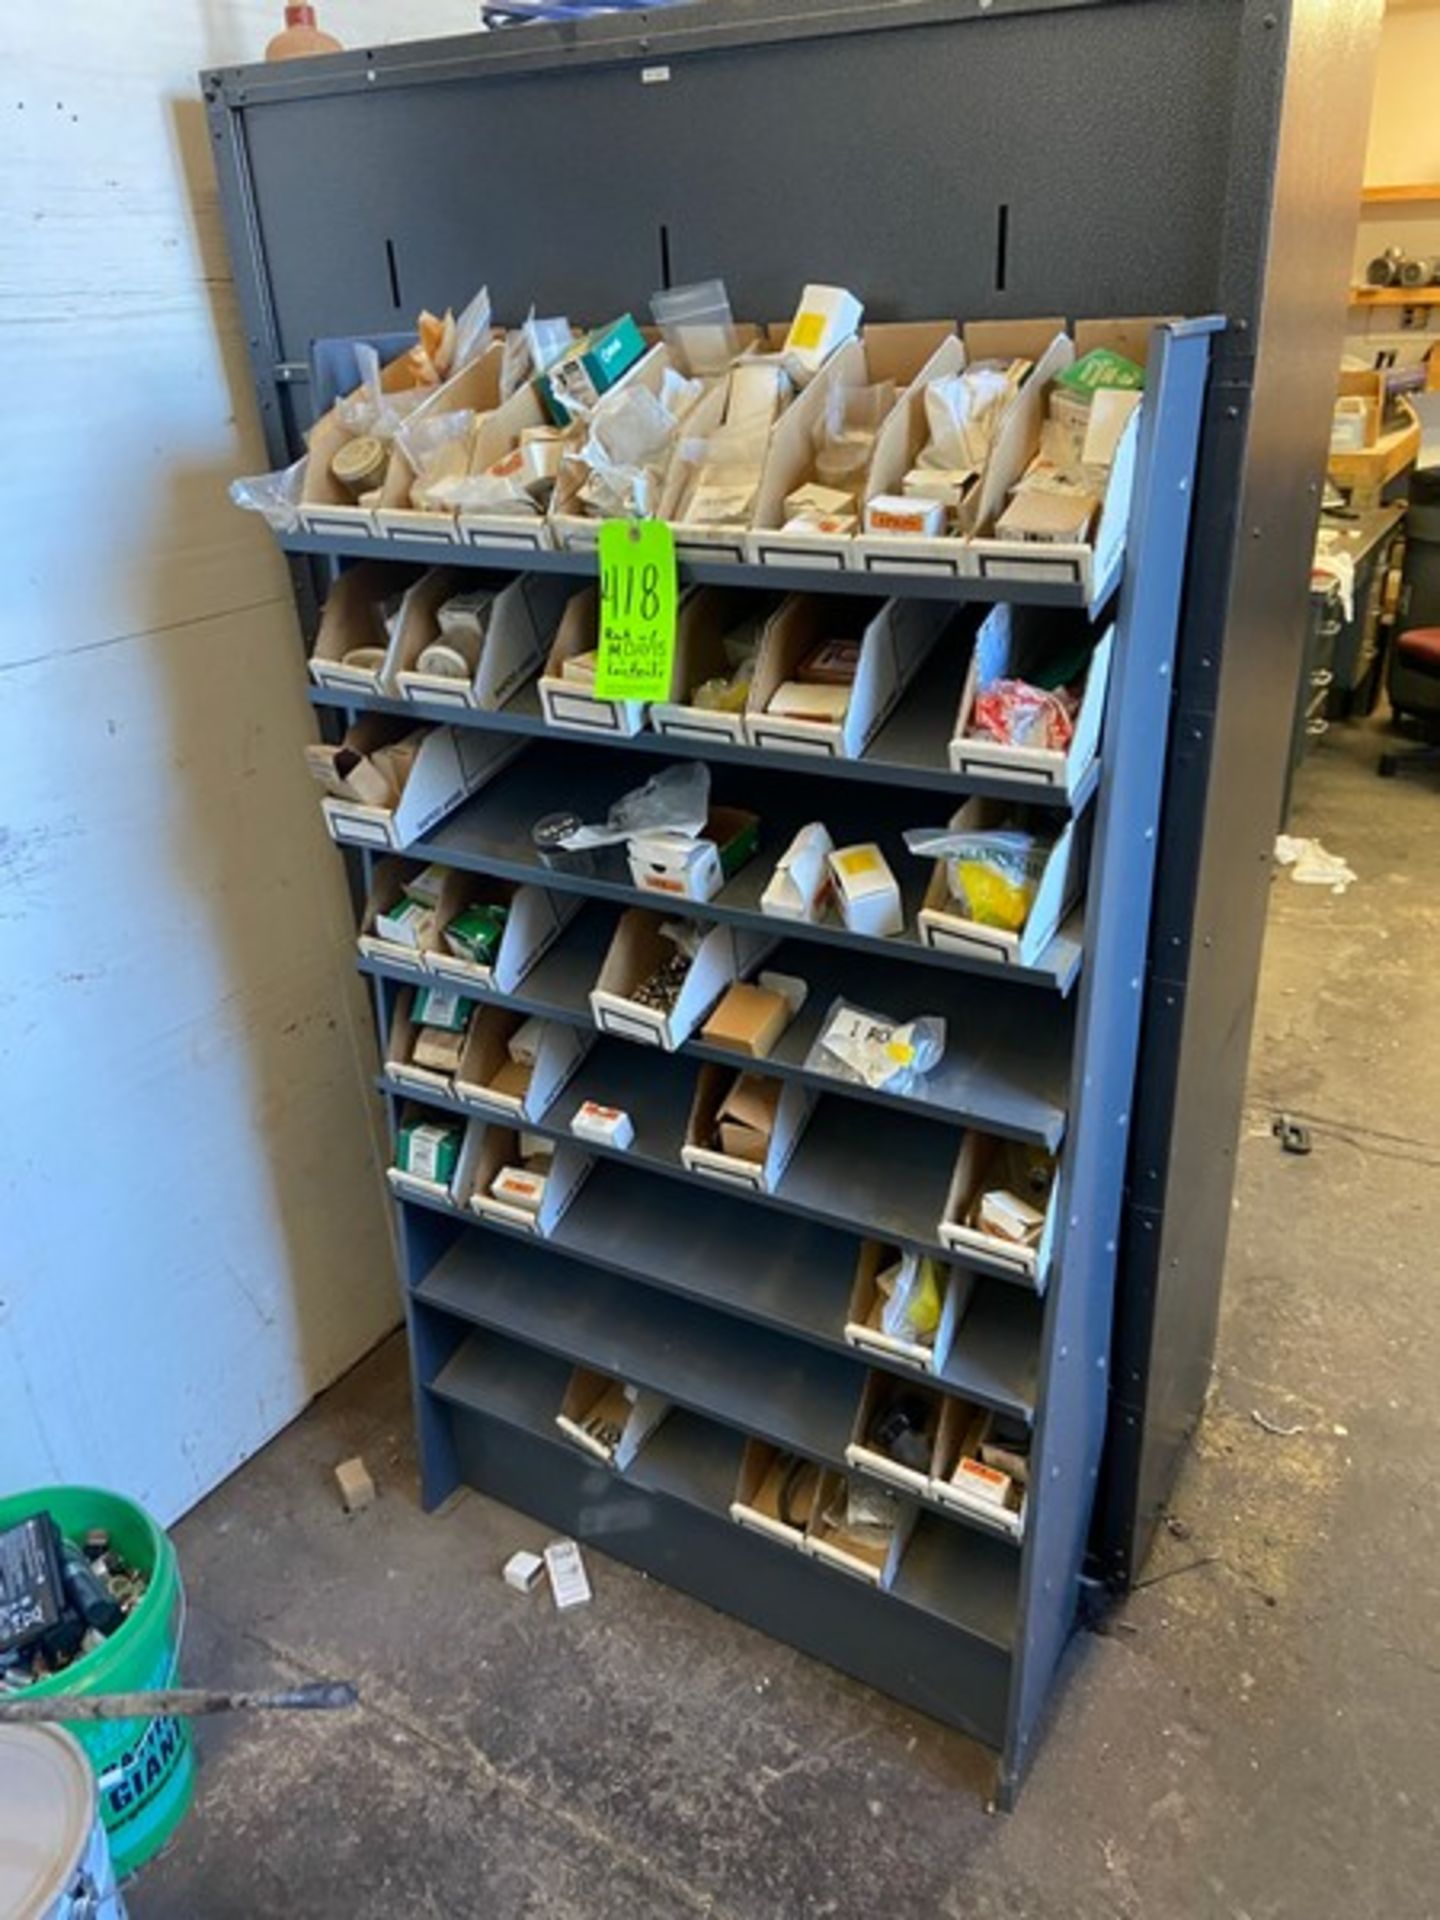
pixel 1004 648
pixel 1093 565
pixel 569 1167
pixel 587 1393
pixel 634 953
pixel 474 389
pixel 945 928
pixel 486 1056
pixel 688 866
pixel 566 702
pixel 532 926
pixel 452 763
pixel 351 619
pixel 961 1426
pixel 878 1569
pixel 758 1488
pixel 862 1324
pixel 895 641
pixel 890 351
pixel 866 1458
pixel 985 1250
pixel 706 617
pixel 523 616
pixel 800 887
pixel 451 1193
pixel 796 1104
pixel 387 886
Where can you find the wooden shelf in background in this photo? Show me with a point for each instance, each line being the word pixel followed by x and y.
pixel 1395 296
pixel 1399 195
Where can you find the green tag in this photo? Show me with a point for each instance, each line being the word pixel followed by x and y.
pixel 638 600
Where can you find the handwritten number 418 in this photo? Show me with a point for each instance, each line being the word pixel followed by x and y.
pixel 628 591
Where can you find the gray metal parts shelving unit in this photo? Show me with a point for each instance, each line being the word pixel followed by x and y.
pixel 1115 158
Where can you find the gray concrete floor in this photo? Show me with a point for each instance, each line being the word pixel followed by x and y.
pixel 1254 1738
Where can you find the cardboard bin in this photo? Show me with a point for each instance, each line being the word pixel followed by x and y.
pixel 400 1064
pixel 702 540
pixel 572 528
pixel 895 640
pixel 376 940
pixel 863 1327
pixel 491 1078
pixel 497 437
pixel 944 927
pixel 635 951
pixel 761 1501
pixel 1010 641
pixel 608 1419
pixel 707 615
pixel 744 1128
pixel 350 619
pixel 499 1149
pixel 877 1566
pixel 523 617
pixel 987 1251
pixel 865 1457
pixel 575 705
pixel 534 922
pixel 449 1192
pixel 449 765
pixel 474 389
pixel 982 1492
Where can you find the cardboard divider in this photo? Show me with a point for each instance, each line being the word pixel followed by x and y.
pixel 534 922
pixel 906 433
pixel 400 1065
pixel 474 389
pixel 500 1148
pixel 490 1079
pixel 571 528
pixel 863 1326
pixel 897 351
pixel 495 437
pixel 963 1429
pixel 351 619
pixel 523 616
pixel 697 539
pixel 987 1251
pixel 775 1493
pixel 945 928
pixel 635 952
pixel 895 641
pixel 1010 644
pixel 608 1419
pixel 784 1106
pixel 1094 564
pixel 387 888
pixel 450 764
pixel 706 617
pixel 861 1450
pixel 694 866
pixel 453 1191
pixel 879 1565
pixel 566 702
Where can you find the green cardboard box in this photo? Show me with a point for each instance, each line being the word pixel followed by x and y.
pixel 591 367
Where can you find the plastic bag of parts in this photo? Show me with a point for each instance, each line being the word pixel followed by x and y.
pixel 993 874
pixel 275 495
pixel 472 331
pixel 698 327
pixel 724 472
pixel 632 434
pixel 677 800
pixel 911 1290
pixel 863 1513
pixel 872 1050
pixel 963 412
pixel 845 437
pixel 437 445
pixel 1021 715
pixel 369 410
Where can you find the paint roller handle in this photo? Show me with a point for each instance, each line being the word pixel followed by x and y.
pixel 318 1696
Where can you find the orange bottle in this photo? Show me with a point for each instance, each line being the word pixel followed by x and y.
pixel 300 36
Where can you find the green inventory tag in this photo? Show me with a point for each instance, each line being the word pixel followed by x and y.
pixel 637 610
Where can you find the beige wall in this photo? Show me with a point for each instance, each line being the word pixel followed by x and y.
pixel 1404 150
pixel 194 1239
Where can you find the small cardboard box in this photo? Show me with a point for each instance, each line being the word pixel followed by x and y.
pixel 635 952
pixel 450 764
pixel 894 351
pixel 876 1565
pixel 861 1451
pixel 906 433
pixel 863 1327
pixel 523 616
pixel 572 386
pixel 351 619
pixel 744 1129
pixel 572 528
pixel 694 867
pixel 534 922
pixel 400 1063
pixel 449 1192
pixel 496 436
pixel 895 640
pixel 387 889
pixel 944 927
pixel 474 389
pixel 978 1493
pixel 608 1418
pixel 775 1493
pixel 500 1148
pixel 488 1078
pixel 1092 565
pixel 569 703
pixel 749 1018
pixel 1011 639
pixel 706 617
pixel 988 1251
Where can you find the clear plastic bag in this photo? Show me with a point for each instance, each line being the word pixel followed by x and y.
pixel 275 495
pixel 993 874
pixel 369 409
pixel 632 435
pixel 472 332
pixel 845 437
pixel 911 1290
pixel 697 326
pixel 437 445
pixel 872 1050
pixel 1018 714
pixel 677 800
pixel 724 474
pixel 963 412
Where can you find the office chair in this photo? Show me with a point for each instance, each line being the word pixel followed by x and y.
pixel 1413 684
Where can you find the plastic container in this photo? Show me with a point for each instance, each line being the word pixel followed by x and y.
pixel 54 1863
pixel 300 37
pixel 145 1768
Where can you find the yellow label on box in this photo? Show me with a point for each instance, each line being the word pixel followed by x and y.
pixel 807 330
pixel 862 860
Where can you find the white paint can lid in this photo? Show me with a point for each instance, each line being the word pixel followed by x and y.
pixel 47 1813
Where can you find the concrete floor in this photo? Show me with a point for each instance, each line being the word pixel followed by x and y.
pixel 1255 1737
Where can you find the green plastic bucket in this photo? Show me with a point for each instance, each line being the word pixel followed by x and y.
pixel 145 1768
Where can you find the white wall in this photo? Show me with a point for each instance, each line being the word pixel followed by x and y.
pixel 193 1239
